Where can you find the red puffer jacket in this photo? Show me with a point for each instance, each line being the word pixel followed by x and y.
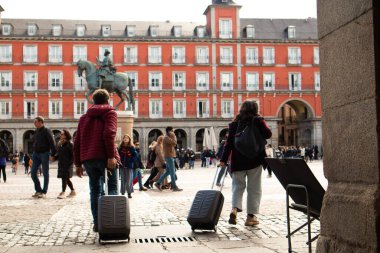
pixel 95 135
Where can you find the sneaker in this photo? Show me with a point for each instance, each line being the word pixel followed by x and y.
pixel 251 221
pixel 95 228
pixel 42 195
pixel 61 195
pixel 177 189
pixel 233 216
pixel 72 194
pixel 158 186
pixel 218 184
pixel 143 189
pixel 36 194
pixel 129 196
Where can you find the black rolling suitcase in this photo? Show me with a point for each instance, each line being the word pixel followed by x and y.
pixel 206 208
pixel 114 222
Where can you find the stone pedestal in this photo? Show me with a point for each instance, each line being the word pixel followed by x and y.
pixel 124 124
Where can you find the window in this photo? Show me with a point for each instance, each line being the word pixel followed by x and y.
pixel 81 30
pixel 57 30
pixel 226 55
pixel 130 54
pixel 294 55
pixel 5 80
pixel 268 53
pixel 5 109
pixel 225 29
pixel 30 109
pixel 202 55
pixel 268 81
pixel 226 81
pixel 179 108
pixel 80 107
pixel 106 30
pixel 30 80
pixel 203 110
pixel 202 80
pixel 79 53
pixel 80 82
pixel 155 80
pixel 32 29
pixel 6 29
pixel 178 55
pixel 201 31
pixel 227 108
pixel 295 81
pixel 154 55
pixel 30 53
pixel 291 32
pixel 317 81
pixel 250 31
pixel 5 53
pixel 177 31
pixel 102 49
pixel 155 109
pixel 252 81
pixel 153 29
pixel 131 30
pixel 251 55
pixel 179 80
pixel 55 80
pixel 133 77
pixel 55 109
pixel 55 54
pixel 316 55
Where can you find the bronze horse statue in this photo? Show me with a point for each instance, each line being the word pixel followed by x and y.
pixel 119 84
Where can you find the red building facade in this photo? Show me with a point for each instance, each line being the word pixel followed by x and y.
pixel 191 76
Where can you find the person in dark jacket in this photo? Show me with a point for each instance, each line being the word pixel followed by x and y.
pixel 65 163
pixel 243 168
pixel 138 166
pixel 94 147
pixel 26 163
pixel 43 147
pixel 128 156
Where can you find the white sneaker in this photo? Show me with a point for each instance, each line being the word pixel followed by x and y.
pixel 61 195
pixel 36 194
pixel 42 195
pixel 72 194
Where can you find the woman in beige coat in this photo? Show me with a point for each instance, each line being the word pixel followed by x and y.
pixel 160 160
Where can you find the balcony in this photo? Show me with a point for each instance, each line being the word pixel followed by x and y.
pixel 202 60
pixel 294 61
pixel 179 60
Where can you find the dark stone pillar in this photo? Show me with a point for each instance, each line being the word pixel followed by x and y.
pixel 350 74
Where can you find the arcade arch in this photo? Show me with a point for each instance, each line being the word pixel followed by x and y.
pixel 8 138
pixel 28 141
pixel 181 138
pixel 153 135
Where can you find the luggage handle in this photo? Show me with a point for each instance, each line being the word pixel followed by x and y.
pixel 106 180
pixel 222 179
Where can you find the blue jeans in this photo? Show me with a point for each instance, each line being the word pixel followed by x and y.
pixel 38 160
pixel 126 180
pixel 137 173
pixel 95 170
pixel 170 170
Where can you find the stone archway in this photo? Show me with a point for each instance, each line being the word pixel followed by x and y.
pixel 223 134
pixel 8 138
pixel 153 135
pixel 136 136
pixel 56 135
pixel 181 138
pixel 199 140
pixel 28 141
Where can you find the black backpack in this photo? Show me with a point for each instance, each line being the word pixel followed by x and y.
pixel 248 140
pixel 151 156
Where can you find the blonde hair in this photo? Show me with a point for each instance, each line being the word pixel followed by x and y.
pixel 152 144
pixel 159 141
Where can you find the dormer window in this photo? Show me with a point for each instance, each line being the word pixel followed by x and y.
pixel 131 31
pixel 250 31
pixel 57 30
pixel 6 29
pixel 153 29
pixel 106 30
pixel 81 30
pixel 291 32
pixel 177 30
pixel 224 1
pixel 32 29
pixel 200 31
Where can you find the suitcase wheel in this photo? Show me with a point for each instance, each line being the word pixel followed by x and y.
pixel 192 228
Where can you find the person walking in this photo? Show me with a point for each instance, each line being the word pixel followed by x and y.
pixel 269 153
pixel 4 151
pixel 159 162
pixel 246 172
pixel 128 155
pixel 27 163
pixel 138 167
pixel 150 164
pixel 65 163
pixel 94 148
pixel 43 148
pixel 169 143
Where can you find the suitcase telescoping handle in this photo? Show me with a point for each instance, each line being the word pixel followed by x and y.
pixel 223 177
pixel 116 170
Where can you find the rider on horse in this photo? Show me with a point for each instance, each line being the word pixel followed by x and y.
pixel 107 69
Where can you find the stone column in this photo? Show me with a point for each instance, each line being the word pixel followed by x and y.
pixel 349 34
pixel 124 124
pixel 317 134
pixel 273 125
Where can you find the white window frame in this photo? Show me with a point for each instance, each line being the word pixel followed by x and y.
pixel 155 108
pixel 226 55
pixel 317 81
pixel 82 103
pixel 131 30
pixel 157 76
pixel 202 55
pixel 295 81
pixel 252 81
pixel 32 114
pixel 153 30
pixel 199 79
pixel 205 111
pixel 269 55
pixel 316 55
pixel 5 109
pixel 291 32
pixel 225 28
pixel 227 108
pixel 30 53
pixel 134 76
pixel 177 31
pixel 269 76
pixel 55 53
pixel 130 54
pixel 179 108
pixel 79 53
pixel 28 79
pixel 178 54
pixel 106 30
pixel 5 80
pixel 154 55
pixel 80 83
pixel 55 113
pixel 6 29
pixel 251 55
pixel 250 31
pixel 57 30
pixel 177 84
pixel 102 49
pixel 201 31
pixel 223 81
pixel 32 29
pixel 55 76
pixel 5 53
pixel 81 30
pixel 294 55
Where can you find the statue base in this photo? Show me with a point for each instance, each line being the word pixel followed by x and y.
pixel 125 121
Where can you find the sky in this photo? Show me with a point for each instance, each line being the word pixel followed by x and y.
pixel 150 10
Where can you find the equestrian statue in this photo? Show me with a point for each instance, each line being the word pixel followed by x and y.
pixel 107 78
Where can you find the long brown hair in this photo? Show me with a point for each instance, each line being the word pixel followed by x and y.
pixel 130 143
pixel 248 110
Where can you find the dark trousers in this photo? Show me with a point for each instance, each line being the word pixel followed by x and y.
pixel 67 182
pixel 40 159
pixel 153 173
pixel 2 168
